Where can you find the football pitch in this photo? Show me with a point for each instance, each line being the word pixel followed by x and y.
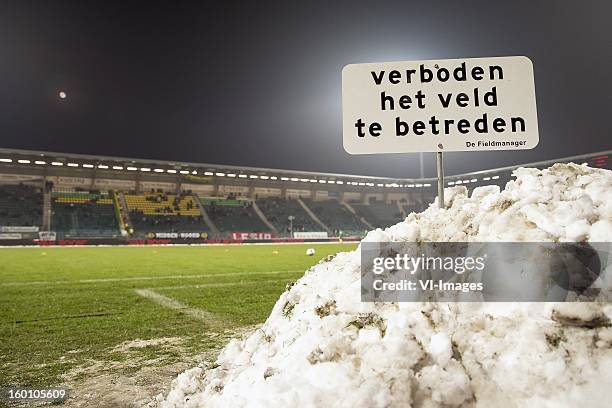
pixel 66 310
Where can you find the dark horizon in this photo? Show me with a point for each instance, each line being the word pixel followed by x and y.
pixel 259 85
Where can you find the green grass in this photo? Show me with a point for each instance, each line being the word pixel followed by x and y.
pixel 66 307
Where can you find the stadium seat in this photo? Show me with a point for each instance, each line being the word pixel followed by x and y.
pixel 78 213
pixel 161 212
pixel 277 210
pixel 337 217
pixel 378 213
pixel 233 215
pixel 20 205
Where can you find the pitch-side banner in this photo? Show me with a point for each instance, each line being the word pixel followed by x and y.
pixel 178 235
pixel 439 105
pixel 10 235
pixel 251 235
pixel 18 229
pixel 310 235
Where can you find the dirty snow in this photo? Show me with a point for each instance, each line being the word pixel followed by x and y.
pixel 138 343
pixel 321 346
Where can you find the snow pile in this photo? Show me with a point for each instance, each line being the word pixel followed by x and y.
pixel 321 346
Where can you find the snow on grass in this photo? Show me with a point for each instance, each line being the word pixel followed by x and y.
pixel 334 350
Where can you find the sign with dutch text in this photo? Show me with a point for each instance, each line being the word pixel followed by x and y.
pixel 439 105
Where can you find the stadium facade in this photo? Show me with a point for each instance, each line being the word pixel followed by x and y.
pixel 55 198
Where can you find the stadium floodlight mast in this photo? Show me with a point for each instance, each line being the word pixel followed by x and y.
pixel 468 104
pixel 291 218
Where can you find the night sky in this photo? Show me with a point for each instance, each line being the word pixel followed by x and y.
pixel 259 84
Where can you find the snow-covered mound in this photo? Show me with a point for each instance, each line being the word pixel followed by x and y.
pixel 323 347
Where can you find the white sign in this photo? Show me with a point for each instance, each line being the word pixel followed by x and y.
pixel 439 105
pixel 310 235
pixel 47 236
pixel 10 235
pixel 18 229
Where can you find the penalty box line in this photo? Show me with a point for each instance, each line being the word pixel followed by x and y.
pixel 148 278
pixel 196 313
pixel 174 304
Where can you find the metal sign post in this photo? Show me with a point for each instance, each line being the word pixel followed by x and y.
pixel 440 166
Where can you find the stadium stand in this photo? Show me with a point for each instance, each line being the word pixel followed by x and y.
pixel 79 213
pixel 413 206
pixel 21 205
pixel 56 200
pixel 378 213
pixel 232 215
pixel 337 217
pixel 278 210
pixel 164 212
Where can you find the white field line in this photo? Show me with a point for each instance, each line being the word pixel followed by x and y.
pixel 147 278
pixel 220 285
pixel 170 303
pixel 191 311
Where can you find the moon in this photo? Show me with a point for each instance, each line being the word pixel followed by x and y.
pixel 62 95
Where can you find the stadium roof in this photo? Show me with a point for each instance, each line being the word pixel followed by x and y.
pixel 29 161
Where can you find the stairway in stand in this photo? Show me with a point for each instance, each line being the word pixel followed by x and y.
pixel 314 217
